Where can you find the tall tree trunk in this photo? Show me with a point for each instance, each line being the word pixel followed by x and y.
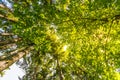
pixel 7 61
pixel 61 76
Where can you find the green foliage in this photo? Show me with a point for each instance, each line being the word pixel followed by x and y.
pixel 81 35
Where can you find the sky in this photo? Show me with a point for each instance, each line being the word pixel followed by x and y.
pixel 13 73
pixel 7 3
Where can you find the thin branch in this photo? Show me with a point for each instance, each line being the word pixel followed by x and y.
pixel 115 17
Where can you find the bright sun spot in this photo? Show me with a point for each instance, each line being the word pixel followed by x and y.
pixel 65 47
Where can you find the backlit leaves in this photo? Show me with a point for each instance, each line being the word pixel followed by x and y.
pixel 79 39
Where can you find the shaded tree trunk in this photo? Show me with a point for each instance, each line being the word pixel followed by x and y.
pixel 61 76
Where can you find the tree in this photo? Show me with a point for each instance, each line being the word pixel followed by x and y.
pixel 67 40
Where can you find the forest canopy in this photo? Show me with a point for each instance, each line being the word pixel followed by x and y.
pixel 61 39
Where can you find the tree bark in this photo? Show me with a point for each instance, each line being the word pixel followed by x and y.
pixel 9 41
pixel 14 20
pixel 5 63
pixel 7 46
pixel 6 34
pixel 61 76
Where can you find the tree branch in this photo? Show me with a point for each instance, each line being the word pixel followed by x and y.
pixel 115 17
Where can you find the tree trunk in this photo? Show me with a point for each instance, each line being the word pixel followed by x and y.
pixel 7 61
pixel 61 76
